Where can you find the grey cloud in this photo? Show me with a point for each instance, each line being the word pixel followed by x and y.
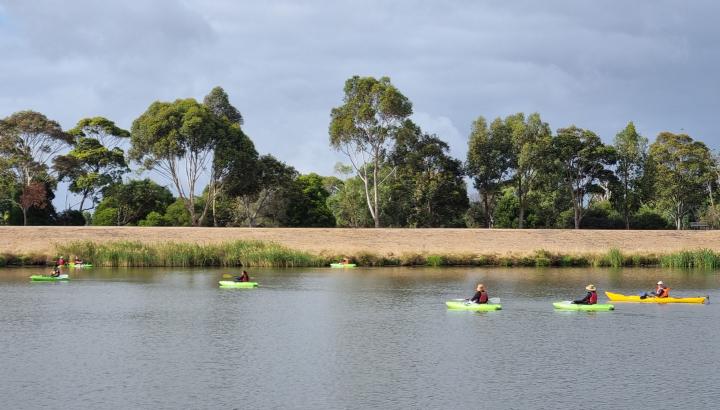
pixel 595 64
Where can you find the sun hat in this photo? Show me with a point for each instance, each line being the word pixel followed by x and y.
pixel 590 287
pixel 660 283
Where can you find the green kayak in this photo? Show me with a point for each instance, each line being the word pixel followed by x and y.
pixel 81 265
pixel 241 285
pixel 46 278
pixel 478 307
pixel 568 305
pixel 342 265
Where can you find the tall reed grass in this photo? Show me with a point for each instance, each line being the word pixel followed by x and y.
pixel 270 254
pixel 237 253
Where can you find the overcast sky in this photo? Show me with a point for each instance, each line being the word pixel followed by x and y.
pixel 595 64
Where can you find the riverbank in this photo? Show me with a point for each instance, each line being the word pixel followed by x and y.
pixel 162 246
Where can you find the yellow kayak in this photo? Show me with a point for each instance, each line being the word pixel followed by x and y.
pixel 617 297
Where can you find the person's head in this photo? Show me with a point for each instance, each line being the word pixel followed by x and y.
pixel 480 287
pixel 244 272
pixel 660 284
pixel 590 288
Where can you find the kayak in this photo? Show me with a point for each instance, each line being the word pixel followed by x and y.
pixel 478 307
pixel 241 285
pixel 342 265
pixel 81 265
pixel 47 278
pixel 617 297
pixel 568 305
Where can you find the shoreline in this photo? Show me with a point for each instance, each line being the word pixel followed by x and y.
pixel 279 247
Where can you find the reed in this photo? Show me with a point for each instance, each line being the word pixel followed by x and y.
pixel 236 253
pixel 270 254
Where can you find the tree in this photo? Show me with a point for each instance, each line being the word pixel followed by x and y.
pixel 488 161
pixel 91 166
pixel 307 205
pixel 682 171
pixel 28 140
pixel 530 143
pixel 131 202
pixel 349 206
pixel 273 176
pixel 631 152
pixel 581 159
pixel 178 140
pixel 219 104
pixel 428 189
pixel 364 129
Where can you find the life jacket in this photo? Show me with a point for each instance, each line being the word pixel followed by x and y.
pixel 593 298
pixel 483 297
pixel 664 292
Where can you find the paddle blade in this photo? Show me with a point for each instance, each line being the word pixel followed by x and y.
pixel 227 276
pixel 494 301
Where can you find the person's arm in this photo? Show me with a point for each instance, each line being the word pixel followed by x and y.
pixel 476 297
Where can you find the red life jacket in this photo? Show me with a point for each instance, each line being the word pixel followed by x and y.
pixel 593 298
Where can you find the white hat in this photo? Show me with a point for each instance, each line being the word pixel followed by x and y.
pixel 660 283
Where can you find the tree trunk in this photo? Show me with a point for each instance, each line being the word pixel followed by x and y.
pixel 24 212
pixel 521 224
pixel 486 208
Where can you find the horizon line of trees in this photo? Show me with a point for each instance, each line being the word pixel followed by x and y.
pixel 525 175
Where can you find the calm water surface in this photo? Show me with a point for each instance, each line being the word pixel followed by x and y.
pixel 365 338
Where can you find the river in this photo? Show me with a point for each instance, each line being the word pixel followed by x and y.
pixel 364 338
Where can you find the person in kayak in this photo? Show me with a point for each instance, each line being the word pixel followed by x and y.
pixel 61 261
pixel 480 296
pixel 243 278
pixel 78 261
pixel 56 271
pixel 590 298
pixel 345 261
pixel 661 291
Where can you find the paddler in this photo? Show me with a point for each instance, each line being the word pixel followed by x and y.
pixel 345 261
pixel 481 295
pixel 61 261
pixel 244 277
pixel 590 298
pixel 661 291
pixel 56 271
pixel 78 261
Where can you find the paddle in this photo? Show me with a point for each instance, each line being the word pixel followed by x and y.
pixel 493 301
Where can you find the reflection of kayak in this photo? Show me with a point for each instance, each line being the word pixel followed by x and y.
pixel 81 265
pixel 233 284
pixel 46 278
pixel 617 297
pixel 568 305
pixel 342 265
pixel 454 304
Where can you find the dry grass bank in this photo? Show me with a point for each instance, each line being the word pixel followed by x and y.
pixel 42 240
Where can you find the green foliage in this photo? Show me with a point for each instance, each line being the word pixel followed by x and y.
pixel 91 166
pixel 581 160
pixel 682 170
pixel 176 214
pixel 702 259
pixel 70 218
pixel 129 203
pixel 348 205
pixel 434 260
pixel 219 104
pixel 178 140
pixel 154 219
pixel 427 189
pixel 489 160
pixel 631 152
pixel 365 127
pixel 308 203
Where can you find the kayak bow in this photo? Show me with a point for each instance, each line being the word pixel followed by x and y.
pixel 478 307
pixel 617 297
pixel 568 305
pixel 342 265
